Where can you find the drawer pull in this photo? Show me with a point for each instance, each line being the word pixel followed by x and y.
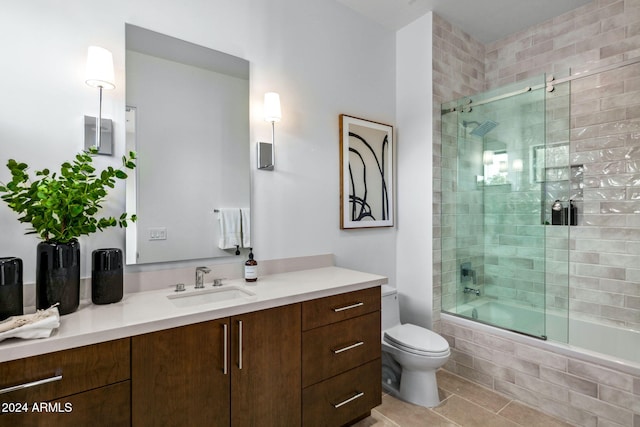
pixel 31 384
pixel 348 307
pixel 358 395
pixel 239 344
pixel 225 362
pixel 349 347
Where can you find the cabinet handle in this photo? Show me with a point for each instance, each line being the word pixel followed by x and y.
pixel 239 344
pixel 225 348
pixel 348 307
pixel 358 395
pixel 349 347
pixel 31 384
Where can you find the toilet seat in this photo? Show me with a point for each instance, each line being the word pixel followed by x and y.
pixel 416 340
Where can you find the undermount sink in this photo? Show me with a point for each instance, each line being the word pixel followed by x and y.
pixel 223 293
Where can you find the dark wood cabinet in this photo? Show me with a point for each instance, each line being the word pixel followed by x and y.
pixel 341 358
pixel 266 374
pixel 305 364
pixel 240 371
pixel 82 386
pixel 179 376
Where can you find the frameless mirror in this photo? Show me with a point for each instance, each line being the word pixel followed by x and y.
pixel 188 121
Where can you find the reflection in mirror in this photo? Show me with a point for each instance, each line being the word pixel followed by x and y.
pixel 188 120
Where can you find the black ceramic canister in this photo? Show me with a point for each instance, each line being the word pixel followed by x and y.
pixel 106 276
pixel 10 287
pixel 58 276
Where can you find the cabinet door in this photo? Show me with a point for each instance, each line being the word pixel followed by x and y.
pixel 179 376
pixel 266 372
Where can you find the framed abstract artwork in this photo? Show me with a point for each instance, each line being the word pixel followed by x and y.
pixel 366 173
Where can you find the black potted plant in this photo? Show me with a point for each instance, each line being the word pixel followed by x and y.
pixel 60 208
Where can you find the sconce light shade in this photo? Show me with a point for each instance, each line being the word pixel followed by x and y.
pixel 487 157
pixel 99 71
pixel 517 165
pixel 272 111
pixel 99 74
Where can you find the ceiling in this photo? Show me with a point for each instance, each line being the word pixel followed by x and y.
pixel 484 20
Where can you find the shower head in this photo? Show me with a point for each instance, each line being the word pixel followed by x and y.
pixel 482 129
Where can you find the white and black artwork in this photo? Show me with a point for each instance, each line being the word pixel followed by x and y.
pixel 366 173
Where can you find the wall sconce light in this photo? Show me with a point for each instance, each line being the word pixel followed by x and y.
pixel 273 114
pixel 99 74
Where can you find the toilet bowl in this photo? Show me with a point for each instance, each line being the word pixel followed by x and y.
pixel 411 355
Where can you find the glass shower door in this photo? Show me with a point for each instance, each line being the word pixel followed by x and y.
pixel 494 180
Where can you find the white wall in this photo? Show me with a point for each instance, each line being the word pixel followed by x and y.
pixel 414 112
pixel 323 58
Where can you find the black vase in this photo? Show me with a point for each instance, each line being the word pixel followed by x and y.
pixel 58 276
pixel 10 287
pixel 106 276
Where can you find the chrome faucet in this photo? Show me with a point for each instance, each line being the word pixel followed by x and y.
pixel 200 272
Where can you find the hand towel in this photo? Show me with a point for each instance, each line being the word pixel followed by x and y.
pixel 230 228
pixel 37 325
pixel 246 227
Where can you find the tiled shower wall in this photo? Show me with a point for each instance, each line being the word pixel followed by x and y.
pixel 458 70
pixel 604 248
pixel 604 252
pixel 604 257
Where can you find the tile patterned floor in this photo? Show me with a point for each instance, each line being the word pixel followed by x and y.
pixel 464 404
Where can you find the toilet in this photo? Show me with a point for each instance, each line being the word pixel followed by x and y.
pixel 411 355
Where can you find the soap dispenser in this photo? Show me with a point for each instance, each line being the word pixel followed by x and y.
pixel 570 214
pixel 251 268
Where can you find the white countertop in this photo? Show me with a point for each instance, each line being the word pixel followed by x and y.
pixel 144 312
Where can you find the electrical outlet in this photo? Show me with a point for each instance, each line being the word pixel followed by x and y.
pixel 158 233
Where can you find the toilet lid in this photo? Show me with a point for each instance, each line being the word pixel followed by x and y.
pixel 416 339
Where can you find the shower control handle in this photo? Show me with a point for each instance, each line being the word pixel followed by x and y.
pixel 471 291
pixel 467 273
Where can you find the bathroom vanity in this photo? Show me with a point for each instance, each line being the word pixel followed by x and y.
pixel 304 349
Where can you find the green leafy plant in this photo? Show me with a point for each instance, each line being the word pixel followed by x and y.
pixel 63 206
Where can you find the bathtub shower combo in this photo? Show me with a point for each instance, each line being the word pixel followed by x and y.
pixel 513 208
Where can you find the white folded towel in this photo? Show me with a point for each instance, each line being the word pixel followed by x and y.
pixel 37 325
pixel 230 228
pixel 246 227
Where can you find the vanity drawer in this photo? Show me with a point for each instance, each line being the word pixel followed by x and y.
pixel 108 406
pixel 324 311
pixel 338 347
pixel 344 398
pixel 67 372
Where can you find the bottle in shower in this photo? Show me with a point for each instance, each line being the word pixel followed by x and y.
pixel 557 213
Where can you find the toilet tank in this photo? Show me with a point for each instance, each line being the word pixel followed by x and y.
pixel 390 307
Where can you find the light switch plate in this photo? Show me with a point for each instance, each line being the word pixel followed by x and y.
pixel 158 233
